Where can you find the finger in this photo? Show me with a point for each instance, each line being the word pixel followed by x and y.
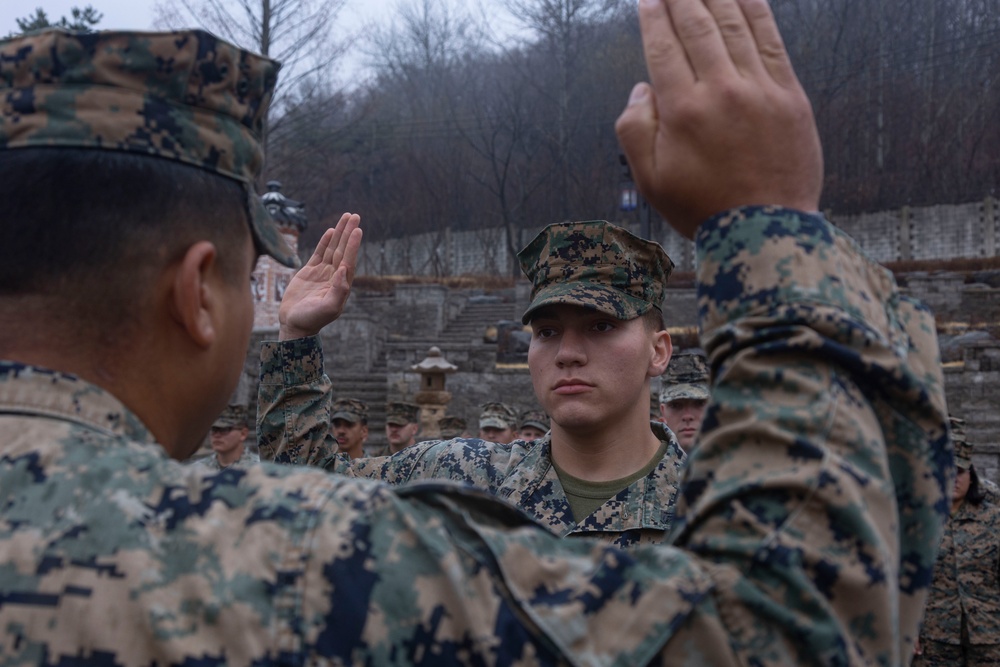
pixel 345 272
pixel 668 65
pixel 770 46
pixel 700 38
pixel 321 248
pixel 335 240
pixel 737 36
pixel 350 223
pixel 636 128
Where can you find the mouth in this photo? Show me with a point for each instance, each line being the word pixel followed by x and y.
pixel 571 386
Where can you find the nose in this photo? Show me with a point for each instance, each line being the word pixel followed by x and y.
pixel 571 349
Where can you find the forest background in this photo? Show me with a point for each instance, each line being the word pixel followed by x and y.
pixel 460 123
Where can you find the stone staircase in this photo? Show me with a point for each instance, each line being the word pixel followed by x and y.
pixel 478 315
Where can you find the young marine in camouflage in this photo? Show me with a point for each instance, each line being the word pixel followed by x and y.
pixel 806 528
pixel 590 266
pixel 962 623
pixel 227 432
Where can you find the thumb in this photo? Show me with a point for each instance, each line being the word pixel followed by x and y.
pixel 636 130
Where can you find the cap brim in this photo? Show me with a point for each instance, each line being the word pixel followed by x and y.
pixel 346 416
pixel 492 422
pixel 963 464
pixel 267 237
pixel 595 296
pixel 684 391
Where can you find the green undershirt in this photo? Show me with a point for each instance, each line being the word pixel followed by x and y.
pixel 585 497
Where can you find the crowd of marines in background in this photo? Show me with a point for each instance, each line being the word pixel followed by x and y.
pixel 682 401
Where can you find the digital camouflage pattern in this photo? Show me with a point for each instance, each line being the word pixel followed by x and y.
pixel 963 607
pixel 249 457
pixel 184 96
pixel 519 472
pixel 497 415
pixel 232 416
pixel 114 554
pixel 350 409
pixel 966 588
pixel 451 426
pixel 686 378
pixel 816 498
pixel 963 448
pixel 401 413
pixel 597 265
pixel 804 536
pixel 536 418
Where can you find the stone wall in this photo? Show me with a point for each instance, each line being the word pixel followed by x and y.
pixel 927 233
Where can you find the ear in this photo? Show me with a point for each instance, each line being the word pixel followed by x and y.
pixel 193 297
pixel 663 348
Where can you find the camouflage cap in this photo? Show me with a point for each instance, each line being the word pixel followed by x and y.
pixel 597 265
pixel 232 416
pixel 686 378
pixel 535 418
pixel 451 426
pixel 399 413
pixel 185 96
pixel 497 415
pixel 963 448
pixel 350 409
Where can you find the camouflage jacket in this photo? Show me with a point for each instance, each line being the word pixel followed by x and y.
pixel 806 527
pixel 966 588
pixel 520 472
pixel 247 458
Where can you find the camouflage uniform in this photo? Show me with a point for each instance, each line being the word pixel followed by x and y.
pixel 234 416
pixel 962 621
pixel 451 427
pixel 497 415
pixel 588 263
pixel 211 462
pixel 805 535
pixel 536 418
pixel 818 519
pixel 686 378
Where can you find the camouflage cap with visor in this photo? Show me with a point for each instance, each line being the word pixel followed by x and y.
pixel 497 415
pixel 451 427
pixel 597 265
pixel 963 448
pixel 234 416
pixel 686 378
pixel 400 413
pixel 535 418
pixel 350 409
pixel 184 96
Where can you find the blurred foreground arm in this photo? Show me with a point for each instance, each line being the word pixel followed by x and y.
pixel 816 495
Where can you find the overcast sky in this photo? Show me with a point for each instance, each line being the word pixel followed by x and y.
pixel 139 15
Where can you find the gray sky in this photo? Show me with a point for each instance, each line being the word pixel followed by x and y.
pixel 139 15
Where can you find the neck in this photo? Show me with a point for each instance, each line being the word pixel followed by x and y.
pixel 125 371
pixel 230 457
pixel 601 455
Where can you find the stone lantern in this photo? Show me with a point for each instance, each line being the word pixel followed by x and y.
pixel 432 397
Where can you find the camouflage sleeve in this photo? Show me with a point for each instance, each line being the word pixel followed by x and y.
pixel 293 418
pixel 293 403
pixel 820 485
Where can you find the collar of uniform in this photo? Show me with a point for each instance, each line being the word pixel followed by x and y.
pixel 31 390
pixel 645 504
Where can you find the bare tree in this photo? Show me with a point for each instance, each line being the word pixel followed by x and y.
pixel 297 33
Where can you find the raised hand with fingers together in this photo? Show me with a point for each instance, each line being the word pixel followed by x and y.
pixel 317 294
pixel 724 121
